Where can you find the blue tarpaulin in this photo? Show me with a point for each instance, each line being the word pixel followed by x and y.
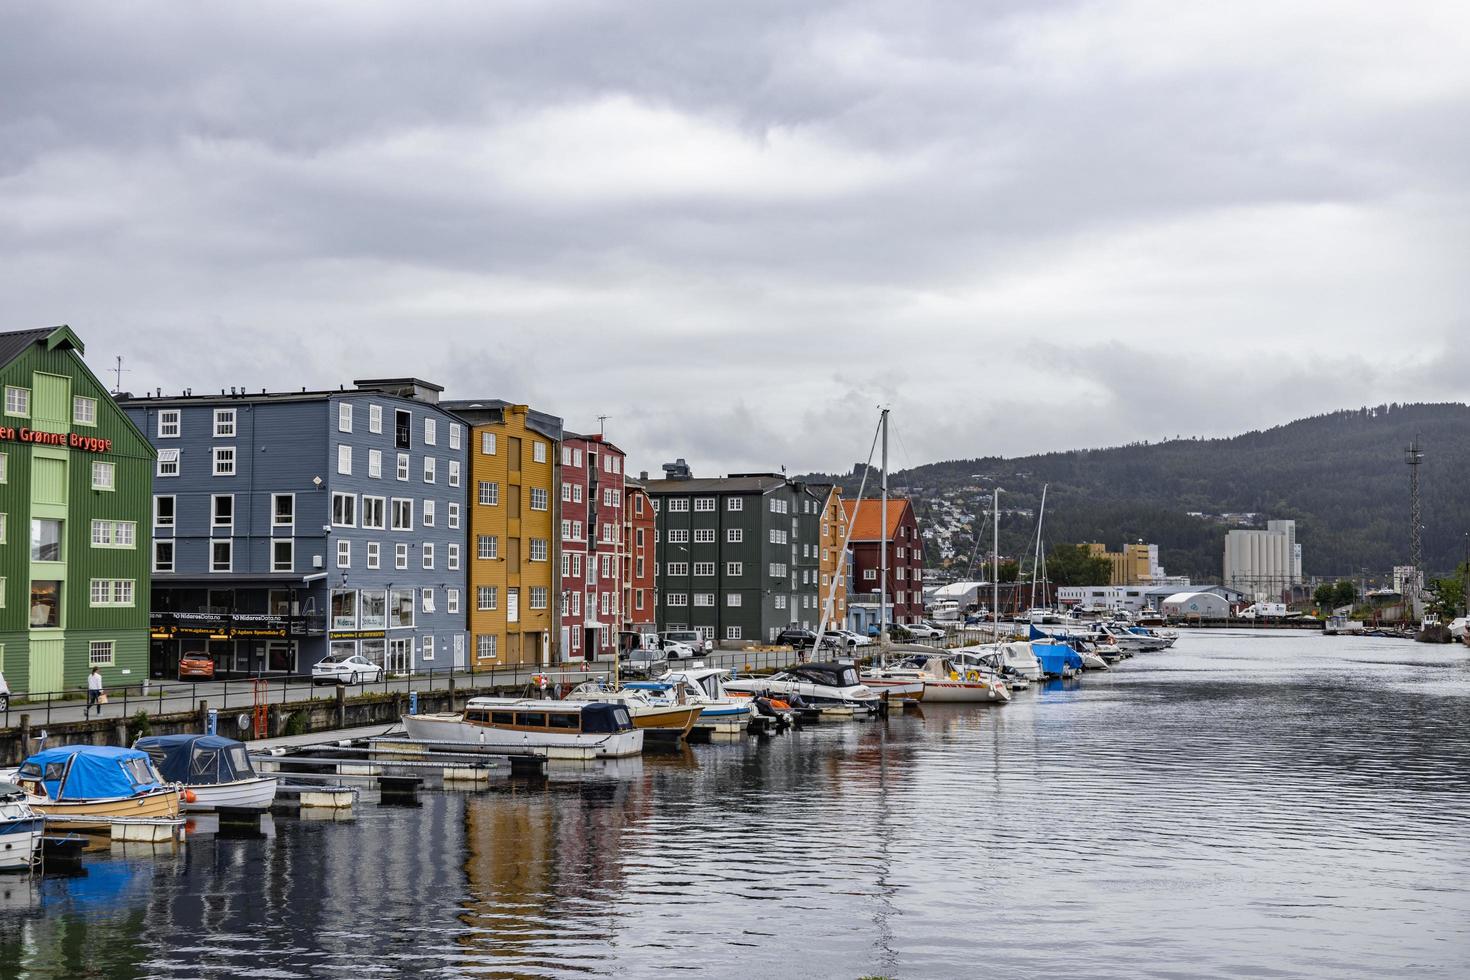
pixel 197 760
pixel 1056 658
pixel 91 772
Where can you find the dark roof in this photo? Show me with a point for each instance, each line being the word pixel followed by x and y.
pixel 480 411
pixel 16 342
pixel 732 484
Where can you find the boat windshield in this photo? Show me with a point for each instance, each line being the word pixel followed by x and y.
pixel 141 771
pixel 240 761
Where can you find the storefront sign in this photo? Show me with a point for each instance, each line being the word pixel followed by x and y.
pixel 356 635
pixel 72 440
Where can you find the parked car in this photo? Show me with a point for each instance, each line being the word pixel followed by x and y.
pixel 197 666
pixel 852 639
pixel 689 638
pixel 643 663
pixel 355 669
pixel 804 639
pixel 924 631
pixel 895 632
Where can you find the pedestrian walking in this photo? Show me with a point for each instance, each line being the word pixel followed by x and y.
pixel 94 693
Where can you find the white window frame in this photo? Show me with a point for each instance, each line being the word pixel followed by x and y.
pixel 451 517
pixel 214 524
pixel 489 445
pixel 538 453
pixel 225 461
pixel 454 472
pixel 393 509
pixel 451 556
pixel 344 459
pixel 431 432
pixel 173 517
pixel 274 522
pixel 734 535
pixel 375 419
pixel 344 416
pixel 100 466
pixel 332 514
pixel 168 418
pixel 400 555
pixel 428 554
pixel 375 464
pixel 402 467
pixel 290 547
pixel 427 514
pixel 169 458
pixel 87 417
pixel 429 469
pixel 454 435
pixel 374 555
pixel 344 552
pixel 229 547
pixel 172 554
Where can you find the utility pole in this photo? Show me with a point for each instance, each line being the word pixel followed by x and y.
pixel 1414 456
pixel 883 548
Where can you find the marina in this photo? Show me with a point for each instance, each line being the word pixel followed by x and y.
pixel 1301 793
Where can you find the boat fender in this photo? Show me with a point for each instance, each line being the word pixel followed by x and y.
pixel 190 796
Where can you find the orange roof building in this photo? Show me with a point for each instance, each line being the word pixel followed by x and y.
pixel 905 556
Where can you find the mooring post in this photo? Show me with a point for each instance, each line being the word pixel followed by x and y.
pixel 25 736
pixel 203 716
pixel 341 706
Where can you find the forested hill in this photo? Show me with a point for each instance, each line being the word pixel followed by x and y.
pixel 1342 477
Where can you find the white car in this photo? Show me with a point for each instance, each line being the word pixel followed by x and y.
pixel 684 644
pixel 853 639
pixel 355 669
pixel 924 631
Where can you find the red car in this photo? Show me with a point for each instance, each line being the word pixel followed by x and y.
pixel 196 665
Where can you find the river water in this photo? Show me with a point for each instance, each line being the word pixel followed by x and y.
pixel 1248 804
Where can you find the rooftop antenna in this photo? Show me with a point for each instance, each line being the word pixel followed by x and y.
pixel 119 371
pixel 1414 456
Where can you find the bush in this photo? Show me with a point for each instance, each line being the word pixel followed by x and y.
pixel 296 723
pixel 139 727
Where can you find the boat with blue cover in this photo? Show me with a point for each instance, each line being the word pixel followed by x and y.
pixel 215 771
pixel 1057 659
pixel 86 787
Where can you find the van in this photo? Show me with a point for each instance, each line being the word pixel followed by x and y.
pixel 690 639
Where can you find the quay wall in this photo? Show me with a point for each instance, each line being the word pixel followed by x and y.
pixel 319 715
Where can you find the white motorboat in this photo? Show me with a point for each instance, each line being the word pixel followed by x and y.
pixel 1091 659
pixel 557 729
pixel 21 830
pixel 990 659
pixel 705 686
pixel 214 771
pixel 948 682
pixel 668 720
pixel 832 687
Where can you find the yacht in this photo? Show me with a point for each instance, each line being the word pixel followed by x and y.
pixel 833 687
pixel 557 729
pixel 668 720
pixel 21 829
pixel 948 682
pixel 705 687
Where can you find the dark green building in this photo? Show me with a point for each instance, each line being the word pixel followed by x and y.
pixel 738 558
pixel 76 491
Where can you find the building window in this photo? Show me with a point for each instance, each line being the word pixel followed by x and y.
pixel 451 519
pixel 168 462
pixel 375 464
pixel 732 632
pixel 344 460
pixel 101 653
pixel 451 556
pixel 374 555
pixel 678 536
pixel 402 514
pixel 375 419
pixel 678 568
pixel 704 503
pixel 678 505
pixel 374 513
pixel 222 511
pixel 431 434
pixel 428 516
pixel 104 475
pixel 539 550
pixel 400 555
pixel 428 469
pixel 163 556
pixel 870 575
pixel 163 511
pixel 18 401
pixel 704 535
pixel 344 609
pixel 45 539
pixel 538 453
pixel 168 423
pixel 428 550
pixel 539 498
pixel 283 510
pixel 83 410
pixel 283 555
pixel 704 568
pixel 704 598
pixel 487 546
pixel 576 493
pixel 732 599
pixel 427 599
pixel 487 443
pixel 402 472
pixel 344 553
pixel 734 535
pixel 485 645
pixel 453 435
pixel 4 467
pixel 489 493
pixel 344 417
pixel 487 597
pixel 676 599
pixel 105 534
pixel 224 461
pixel 45 604
pixel 402 429
pixel 539 592
pixel 344 509
pixel 734 568
pixel 454 472
pixel 221 555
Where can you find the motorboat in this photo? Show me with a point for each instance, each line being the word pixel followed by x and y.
pixel 21 830
pixel 87 787
pixel 1339 625
pixel 946 681
pixel 832 687
pixel 1091 659
pixel 557 729
pixel 671 720
pixel 1057 660
pixel 991 658
pixel 706 687
pixel 214 771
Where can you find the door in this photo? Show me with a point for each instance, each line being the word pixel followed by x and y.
pixel 399 656
pixel 589 646
pixel 459 662
pixel 47 657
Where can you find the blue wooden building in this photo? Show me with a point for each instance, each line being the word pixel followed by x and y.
pixel 287 525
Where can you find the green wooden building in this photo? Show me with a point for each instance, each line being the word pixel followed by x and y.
pixel 76 491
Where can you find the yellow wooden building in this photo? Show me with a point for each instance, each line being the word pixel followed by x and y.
pixel 833 532
pixel 514 550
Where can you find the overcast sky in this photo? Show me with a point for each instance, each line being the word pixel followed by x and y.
pixel 736 228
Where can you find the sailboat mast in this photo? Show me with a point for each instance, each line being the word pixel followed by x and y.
pixel 1036 556
pixel 883 544
pixel 995 564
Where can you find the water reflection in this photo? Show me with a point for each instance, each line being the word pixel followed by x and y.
pixel 1255 804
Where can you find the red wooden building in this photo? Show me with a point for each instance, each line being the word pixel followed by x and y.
pixel 905 556
pixel 638 559
pixel 592 493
